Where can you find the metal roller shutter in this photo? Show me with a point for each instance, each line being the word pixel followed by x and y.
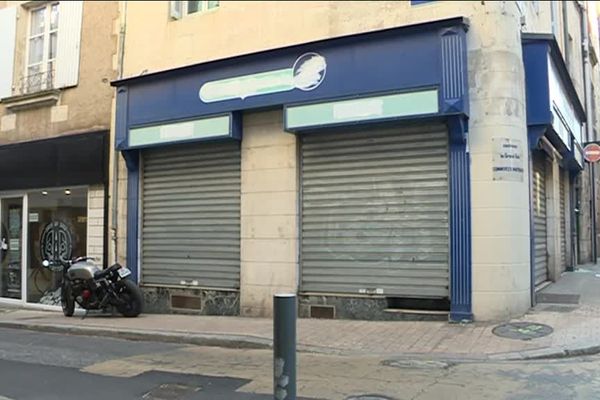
pixel 539 214
pixel 191 215
pixel 563 223
pixel 375 212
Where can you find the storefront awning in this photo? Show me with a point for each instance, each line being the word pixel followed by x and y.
pixel 63 161
pixel 553 106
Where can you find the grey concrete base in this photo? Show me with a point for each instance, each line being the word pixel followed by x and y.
pixel 159 300
pixel 364 308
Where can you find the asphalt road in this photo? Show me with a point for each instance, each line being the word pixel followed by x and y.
pixel 46 366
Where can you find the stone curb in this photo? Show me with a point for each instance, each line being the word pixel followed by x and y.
pixel 224 340
pixel 199 339
pixel 234 341
pixel 553 353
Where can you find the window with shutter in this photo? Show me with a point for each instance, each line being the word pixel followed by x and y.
pixel 41 49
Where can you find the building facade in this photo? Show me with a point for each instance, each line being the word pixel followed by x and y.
pixel 372 157
pixel 57 59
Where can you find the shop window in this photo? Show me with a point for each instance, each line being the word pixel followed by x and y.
pixel 179 9
pixel 57 229
pixel 41 54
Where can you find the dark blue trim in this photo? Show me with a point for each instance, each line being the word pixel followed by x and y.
pixel 547 40
pixel 534 134
pixel 538 49
pixel 460 223
pixel 121 122
pixel 236 125
pixel 417 2
pixel 454 86
pixel 132 161
pixel 537 89
pixel 392 60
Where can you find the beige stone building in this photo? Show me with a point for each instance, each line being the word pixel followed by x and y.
pixel 57 59
pixel 374 157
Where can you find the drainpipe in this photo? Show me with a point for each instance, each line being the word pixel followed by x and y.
pixel 589 125
pixel 565 26
pixel 115 158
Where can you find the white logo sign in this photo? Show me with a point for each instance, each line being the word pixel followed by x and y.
pixel 307 73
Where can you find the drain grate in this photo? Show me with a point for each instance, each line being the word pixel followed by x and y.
pixel 558 308
pixel 170 391
pixel 417 364
pixel 522 330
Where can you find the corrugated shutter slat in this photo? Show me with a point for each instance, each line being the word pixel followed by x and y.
pixel 539 215
pixel 191 215
pixel 375 212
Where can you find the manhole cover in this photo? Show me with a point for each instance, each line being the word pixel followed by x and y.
pixel 170 391
pixel 522 330
pixel 369 397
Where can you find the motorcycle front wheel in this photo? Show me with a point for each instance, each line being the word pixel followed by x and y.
pixel 132 297
pixel 67 301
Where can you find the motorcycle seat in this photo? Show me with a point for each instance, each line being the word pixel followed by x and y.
pixel 107 271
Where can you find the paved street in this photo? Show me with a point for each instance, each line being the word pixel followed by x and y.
pixel 45 366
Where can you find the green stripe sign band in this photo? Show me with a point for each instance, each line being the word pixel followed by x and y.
pixel 362 109
pixel 307 73
pixel 206 128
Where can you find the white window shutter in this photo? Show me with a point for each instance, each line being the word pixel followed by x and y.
pixel 68 43
pixel 8 24
pixel 176 9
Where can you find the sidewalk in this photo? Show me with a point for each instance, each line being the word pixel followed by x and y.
pixel 576 330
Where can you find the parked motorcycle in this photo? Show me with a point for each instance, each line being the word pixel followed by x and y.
pixel 96 289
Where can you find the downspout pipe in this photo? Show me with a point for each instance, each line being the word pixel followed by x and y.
pixel 115 157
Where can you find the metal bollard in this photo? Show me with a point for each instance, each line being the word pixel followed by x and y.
pixel 284 346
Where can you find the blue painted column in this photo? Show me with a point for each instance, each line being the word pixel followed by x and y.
pixel 132 160
pixel 461 308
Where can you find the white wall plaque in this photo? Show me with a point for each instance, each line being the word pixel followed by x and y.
pixel 507 160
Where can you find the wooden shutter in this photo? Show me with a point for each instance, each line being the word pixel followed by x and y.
pixel 70 15
pixel 8 19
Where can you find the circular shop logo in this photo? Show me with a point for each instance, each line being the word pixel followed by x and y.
pixel 56 242
pixel 309 71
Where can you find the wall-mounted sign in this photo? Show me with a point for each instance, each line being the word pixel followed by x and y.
pixel 307 73
pixel 507 160
pixel 34 217
pixel 565 121
pixel 591 153
pixel 205 128
pixel 362 109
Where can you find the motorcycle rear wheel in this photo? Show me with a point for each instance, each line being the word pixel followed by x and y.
pixel 67 301
pixel 131 294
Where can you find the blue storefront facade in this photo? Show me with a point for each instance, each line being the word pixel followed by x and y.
pixel 410 76
pixel 555 119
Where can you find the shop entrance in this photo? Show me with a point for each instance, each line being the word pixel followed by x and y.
pixel 57 225
pixel 12 237
pixel 45 224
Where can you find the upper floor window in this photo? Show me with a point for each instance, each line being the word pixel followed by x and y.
pixel 41 55
pixel 199 6
pixel 181 8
